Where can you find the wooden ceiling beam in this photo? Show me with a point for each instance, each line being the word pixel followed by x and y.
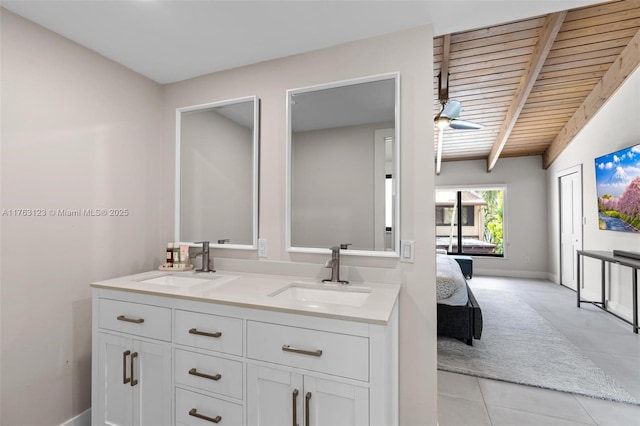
pixel 548 34
pixel 622 67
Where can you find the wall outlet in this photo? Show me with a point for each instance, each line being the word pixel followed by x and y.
pixel 262 247
pixel 406 251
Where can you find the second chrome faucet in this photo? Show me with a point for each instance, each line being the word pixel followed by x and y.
pixel 334 264
pixel 205 257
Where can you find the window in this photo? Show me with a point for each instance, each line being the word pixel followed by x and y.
pixel 445 214
pixel 388 202
pixel 470 220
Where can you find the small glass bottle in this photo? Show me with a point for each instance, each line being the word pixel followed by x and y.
pixel 176 255
pixel 169 261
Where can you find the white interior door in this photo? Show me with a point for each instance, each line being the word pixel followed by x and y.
pixel 570 226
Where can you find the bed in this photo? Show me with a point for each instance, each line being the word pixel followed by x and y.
pixel 459 314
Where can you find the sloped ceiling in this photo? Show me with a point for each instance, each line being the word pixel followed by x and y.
pixel 534 83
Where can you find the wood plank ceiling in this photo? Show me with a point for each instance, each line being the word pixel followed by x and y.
pixel 534 83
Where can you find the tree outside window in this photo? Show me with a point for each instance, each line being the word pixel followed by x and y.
pixel 470 221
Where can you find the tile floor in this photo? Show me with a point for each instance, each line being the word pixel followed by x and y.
pixel 609 342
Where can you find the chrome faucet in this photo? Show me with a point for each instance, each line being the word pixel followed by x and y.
pixel 205 257
pixel 334 264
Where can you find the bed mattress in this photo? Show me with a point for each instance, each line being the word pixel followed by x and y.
pixel 451 287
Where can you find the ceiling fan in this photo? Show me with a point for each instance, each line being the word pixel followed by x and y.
pixel 448 116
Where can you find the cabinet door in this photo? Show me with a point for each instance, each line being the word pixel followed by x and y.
pixel 114 401
pixel 152 401
pixel 335 404
pixel 274 397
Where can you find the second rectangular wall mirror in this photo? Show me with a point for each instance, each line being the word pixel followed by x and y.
pixel 343 166
pixel 217 173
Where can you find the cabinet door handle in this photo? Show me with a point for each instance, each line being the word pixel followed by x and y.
pixel 125 379
pixel 295 406
pixel 288 348
pixel 193 412
pixel 195 372
pixel 203 333
pixel 133 357
pixel 307 398
pixel 135 321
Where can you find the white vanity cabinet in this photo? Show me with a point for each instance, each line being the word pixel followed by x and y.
pixel 280 397
pixel 134 373
pixel 188 361
pixel 209 368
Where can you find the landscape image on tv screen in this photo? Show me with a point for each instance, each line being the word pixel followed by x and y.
pixel 618 188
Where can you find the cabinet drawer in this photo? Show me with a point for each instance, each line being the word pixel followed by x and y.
pixel 213 332
pixel 332 353
pixel 200 405
pixel 134 318
pixel 210 373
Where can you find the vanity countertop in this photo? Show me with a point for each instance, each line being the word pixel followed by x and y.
pixel 254 290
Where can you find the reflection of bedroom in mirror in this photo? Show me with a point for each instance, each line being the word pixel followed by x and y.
pixel 217 173
pixel 343 166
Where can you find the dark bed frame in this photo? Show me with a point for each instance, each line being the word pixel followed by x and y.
pixel 461 322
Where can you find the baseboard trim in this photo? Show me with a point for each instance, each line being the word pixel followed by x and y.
pixel 82 419
pixel 512 274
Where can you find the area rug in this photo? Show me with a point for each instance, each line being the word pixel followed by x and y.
pixel 520 346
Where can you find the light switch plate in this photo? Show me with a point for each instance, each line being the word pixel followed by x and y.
pixel 406 251
pixel 262 247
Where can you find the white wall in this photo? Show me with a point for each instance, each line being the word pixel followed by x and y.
pixel 333 189
pixel 525 212
pixel 616 126
pixel 411 53
pixel 78 132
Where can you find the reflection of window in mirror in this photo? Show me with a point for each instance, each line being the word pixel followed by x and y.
pixel 384 167
pixel 388 212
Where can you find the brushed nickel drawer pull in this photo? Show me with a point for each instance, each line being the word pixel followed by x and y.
pixel 193 412
pixel 133 357
pixel 135 321
pixel 295 407
pixel 287 348
pixel 125 379
pixel 307 398
pixel 203 333
pixel 195 372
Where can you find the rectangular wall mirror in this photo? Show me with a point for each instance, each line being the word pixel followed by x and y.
pixel 217 173
pixel 343 166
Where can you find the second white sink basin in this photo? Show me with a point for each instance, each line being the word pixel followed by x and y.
pixel 324 293
pixel 180 280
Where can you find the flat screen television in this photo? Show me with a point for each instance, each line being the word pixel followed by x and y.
pixel 618 189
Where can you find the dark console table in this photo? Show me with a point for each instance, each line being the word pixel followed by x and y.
pixel 604 257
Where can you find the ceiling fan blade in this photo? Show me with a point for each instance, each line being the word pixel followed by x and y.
pixel 451 109
pixel 464 125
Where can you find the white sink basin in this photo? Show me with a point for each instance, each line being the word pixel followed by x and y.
pixel 324 293
pixel 181 281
